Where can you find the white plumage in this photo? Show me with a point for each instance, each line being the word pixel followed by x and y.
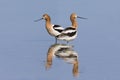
pixel 70 33
pixel 53 30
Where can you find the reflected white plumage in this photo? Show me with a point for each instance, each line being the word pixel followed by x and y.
pixel 64 52
pixel 52 51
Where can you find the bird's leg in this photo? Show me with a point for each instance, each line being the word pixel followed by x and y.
pixel 67 42
pixel 55 40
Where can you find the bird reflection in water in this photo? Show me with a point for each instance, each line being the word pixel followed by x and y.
pixel 64 52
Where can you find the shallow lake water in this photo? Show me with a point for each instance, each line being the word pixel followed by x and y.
pixel 28 52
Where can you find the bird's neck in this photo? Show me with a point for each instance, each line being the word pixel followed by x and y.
pixel 75 69
pixel 49 26
pixel 49 59
pixel 74 24
pixel 48 23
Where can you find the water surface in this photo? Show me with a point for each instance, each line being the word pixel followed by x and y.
pixel 24 45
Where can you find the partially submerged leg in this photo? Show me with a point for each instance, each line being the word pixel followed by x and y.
pixel 67 42
pixel 55 40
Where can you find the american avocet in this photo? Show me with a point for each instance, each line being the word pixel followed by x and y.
pixel 70 33
pixel 52 51
pixel 64 52
pixel 69 56
pixel 53 30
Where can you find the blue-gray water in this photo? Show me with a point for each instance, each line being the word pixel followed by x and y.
pixel 24 44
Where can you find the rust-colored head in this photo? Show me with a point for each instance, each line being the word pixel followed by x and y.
pixel 74 16
pixel 45 16
pixel 73 19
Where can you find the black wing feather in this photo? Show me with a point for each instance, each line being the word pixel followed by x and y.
pixel 56 26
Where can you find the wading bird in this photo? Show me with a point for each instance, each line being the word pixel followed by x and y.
pixel 70 33
pixel 53 30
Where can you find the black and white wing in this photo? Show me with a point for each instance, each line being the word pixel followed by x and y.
pixel 68 32
pixel 58 28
